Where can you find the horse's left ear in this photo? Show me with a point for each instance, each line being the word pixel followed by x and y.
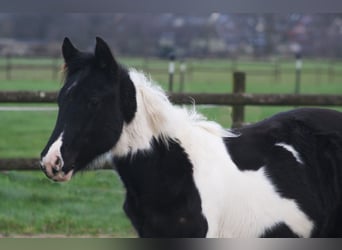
pixel 69 52
pixel 104 56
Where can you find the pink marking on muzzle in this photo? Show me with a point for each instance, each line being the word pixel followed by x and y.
pixel 61 176
pixel 52 163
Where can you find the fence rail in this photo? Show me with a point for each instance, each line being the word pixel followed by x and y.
pixel 269 67
pixel 28 96
pixel 19 164
pixel 228 99
pixel 25 164
pixel 258 99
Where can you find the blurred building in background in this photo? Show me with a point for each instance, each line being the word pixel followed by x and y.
pixel 214 35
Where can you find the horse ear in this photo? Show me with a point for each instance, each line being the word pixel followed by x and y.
pixel 103 55
pixel 68 50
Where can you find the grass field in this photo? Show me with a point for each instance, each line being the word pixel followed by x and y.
pixel 91 203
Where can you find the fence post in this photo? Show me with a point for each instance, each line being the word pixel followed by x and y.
pixel 234 64
pixel 190 70
pixel 55 67
pixel 145 63
pixel 171 71
pixel 276 69
pixel 318 72
pixel 299 65
pixel 182 69
pixel 8 67
pixel 331 71
pixel 239 87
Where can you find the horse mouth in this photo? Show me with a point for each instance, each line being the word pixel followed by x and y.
pixel 62 176
pixel 57 174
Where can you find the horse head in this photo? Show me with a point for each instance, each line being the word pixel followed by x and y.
pixel 97 98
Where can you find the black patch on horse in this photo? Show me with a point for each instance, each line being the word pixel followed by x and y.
pixel 316 183
pixel 162 199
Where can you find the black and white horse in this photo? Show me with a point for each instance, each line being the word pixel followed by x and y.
pixel 186 176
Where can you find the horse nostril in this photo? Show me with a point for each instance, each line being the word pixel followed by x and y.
pixel 58 161
pixel 54 170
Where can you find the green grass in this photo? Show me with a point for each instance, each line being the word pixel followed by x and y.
pixel 24 133
pixel 29 84
pixel 92 202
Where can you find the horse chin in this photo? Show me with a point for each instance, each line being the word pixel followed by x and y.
pixel 63 177
pixel 100 161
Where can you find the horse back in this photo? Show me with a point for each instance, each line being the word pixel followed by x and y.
pixel 301 152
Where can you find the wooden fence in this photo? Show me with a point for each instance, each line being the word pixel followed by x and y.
pixel 9 66
pixel 238 100
pixel 273 67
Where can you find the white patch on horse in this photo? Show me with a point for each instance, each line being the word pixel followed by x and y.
pixel 237 203
pixel 138 133
pixel 291 150
pixel 52 156
pixel 157 117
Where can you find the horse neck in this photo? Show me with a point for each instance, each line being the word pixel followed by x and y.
pixel 163 138
pixel 155 118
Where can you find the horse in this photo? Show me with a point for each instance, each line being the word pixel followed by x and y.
pixel 186 176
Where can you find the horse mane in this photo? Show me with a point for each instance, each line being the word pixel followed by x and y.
pixel 155 100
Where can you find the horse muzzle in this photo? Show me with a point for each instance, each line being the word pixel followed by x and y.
pixel 53 169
